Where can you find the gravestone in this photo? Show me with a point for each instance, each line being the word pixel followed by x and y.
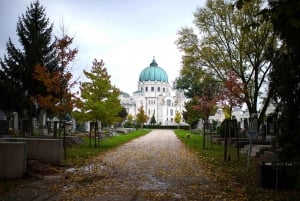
pixel 4 127
pixel 25 127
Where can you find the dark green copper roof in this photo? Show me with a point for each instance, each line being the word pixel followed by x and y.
pixel 153 73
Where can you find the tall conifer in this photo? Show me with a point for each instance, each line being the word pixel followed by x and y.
pixel 36 48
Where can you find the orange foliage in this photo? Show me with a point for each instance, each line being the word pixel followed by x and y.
pixel 205 104
pixel 234 90
pixel 58 97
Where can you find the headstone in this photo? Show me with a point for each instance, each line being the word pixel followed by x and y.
pixel 25 127
pixel 252 133
pixel 200 124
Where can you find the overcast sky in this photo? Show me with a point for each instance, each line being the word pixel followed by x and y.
pixel 126 34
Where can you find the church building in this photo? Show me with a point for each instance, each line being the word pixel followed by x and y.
pixel 156 95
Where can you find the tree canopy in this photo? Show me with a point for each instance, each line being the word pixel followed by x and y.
pixel 226 45
pixel 285 75
pixel 59 99
pixel 177 118
pixel 141 117
pixel 99 98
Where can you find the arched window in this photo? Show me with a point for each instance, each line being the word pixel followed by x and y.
pixel 146 88
pixel 152 89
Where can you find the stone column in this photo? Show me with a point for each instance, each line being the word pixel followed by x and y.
pixel 16 122
pixel 42 122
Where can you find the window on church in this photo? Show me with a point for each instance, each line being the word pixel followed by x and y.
pixel 171 112
pixel 152 88
pixel 149 112
pixel 169 102
pixel 146 88
pixel 141 88
pixel 164 90
pixel 158 89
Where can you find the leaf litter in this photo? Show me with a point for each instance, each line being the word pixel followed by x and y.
pixel 154 167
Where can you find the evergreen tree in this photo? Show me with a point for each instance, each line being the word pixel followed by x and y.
pixel 17 67
pixel 153 120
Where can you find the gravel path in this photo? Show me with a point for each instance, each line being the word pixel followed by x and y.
pixel 154 167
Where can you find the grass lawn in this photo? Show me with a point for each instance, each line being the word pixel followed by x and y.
pixel 80 154
pixel 232 176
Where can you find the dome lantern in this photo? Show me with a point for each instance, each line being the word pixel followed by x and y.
pixel 153 63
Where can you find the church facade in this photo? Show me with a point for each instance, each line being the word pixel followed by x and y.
pixel 156 95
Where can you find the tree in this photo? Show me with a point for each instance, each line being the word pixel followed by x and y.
pixel 207 99
pixel 129 120
pixel 191 116
pixel 34 32
pixel 99 99
pixel 285 75
pixel 226 45
pixel 123 114
pixel 177 118
pixel 153 120
pixel 59 98
pixel 201 88
pixel 233 92
pixel 141 117
pixel 285 17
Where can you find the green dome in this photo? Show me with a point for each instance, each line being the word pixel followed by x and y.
pixel 153 73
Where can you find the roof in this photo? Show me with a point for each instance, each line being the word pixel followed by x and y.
pixel 153 73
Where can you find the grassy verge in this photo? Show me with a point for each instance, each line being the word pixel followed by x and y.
pixel 232 177
pixel 80 154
